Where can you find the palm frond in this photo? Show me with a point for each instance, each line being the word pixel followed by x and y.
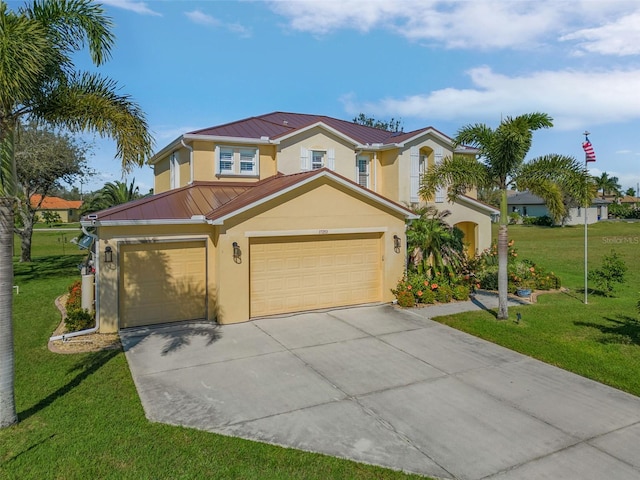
pixel 459 173
pixel 90 102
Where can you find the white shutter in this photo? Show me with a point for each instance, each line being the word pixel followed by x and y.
pixel 216 160
pixel 415 174
pixel 440 191
pixel 304 159
pixel 331 159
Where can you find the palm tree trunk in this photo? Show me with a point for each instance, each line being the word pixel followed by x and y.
pixel 8 414
pixel 503 252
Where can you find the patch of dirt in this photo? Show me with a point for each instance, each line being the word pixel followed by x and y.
pixel 93 342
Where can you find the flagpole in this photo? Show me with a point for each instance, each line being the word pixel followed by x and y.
pixel 586 238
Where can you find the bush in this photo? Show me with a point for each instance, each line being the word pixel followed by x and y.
pixel 514 218
pixel 619 210
pixel 444 294
pixel 612 272
pixel 461 292
pixel 78 319
pixel 74 300
pixel 405 299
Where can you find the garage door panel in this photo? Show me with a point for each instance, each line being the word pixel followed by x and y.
pixel 162 282
pixel 314 272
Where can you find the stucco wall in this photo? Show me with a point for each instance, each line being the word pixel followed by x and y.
pixel 309 210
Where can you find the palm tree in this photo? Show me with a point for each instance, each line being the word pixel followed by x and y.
pixel 38 80
pixel 432 242
pixel 501 154
pixel 111 194
pixel 608 185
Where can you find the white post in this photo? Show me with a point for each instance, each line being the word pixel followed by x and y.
pixel 586 242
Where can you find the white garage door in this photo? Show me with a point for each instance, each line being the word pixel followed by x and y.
pixel 162 282
pixel 290 274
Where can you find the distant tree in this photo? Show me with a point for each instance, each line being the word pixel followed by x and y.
pixel 50 218
pixel 113 193
pixel 608 185
pixel 489 195
pixel 392 125
pixel 631 192
pixel 44 159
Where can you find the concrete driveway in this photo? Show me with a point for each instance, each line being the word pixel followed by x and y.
pixel 388 387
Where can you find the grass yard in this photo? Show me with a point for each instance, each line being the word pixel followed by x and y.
pixel 600 340
pixel 80 416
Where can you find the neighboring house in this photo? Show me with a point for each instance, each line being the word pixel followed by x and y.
pixel 530 205
pixel 69 210
pixel 274 214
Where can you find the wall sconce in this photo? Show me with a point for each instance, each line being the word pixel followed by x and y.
pixel 108 255
pixel 237 253
pixel 396 243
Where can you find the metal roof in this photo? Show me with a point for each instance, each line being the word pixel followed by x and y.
pixel 216 201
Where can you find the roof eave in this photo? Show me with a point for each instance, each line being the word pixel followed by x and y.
pixel 196 219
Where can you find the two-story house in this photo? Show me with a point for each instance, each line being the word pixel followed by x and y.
pixel 272 214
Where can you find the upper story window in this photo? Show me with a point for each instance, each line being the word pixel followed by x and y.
pixel 237 161
pixel 363 170
pixel 317 159
pixel 311 159
pixel 174 170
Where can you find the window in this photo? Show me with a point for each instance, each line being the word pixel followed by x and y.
pixel 248 161
pixel 317 159
pixel 236 161
pixel 363 171
pixel 174 170
pixel 226 160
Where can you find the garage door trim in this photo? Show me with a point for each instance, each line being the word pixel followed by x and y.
pixel 300 233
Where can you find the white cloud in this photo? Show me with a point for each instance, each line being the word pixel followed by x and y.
pixel 574 99
pixel 477 24
pixel 201 18
pixel 619 37
pixel 132 5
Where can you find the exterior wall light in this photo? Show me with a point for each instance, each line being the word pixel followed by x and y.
pixel 237 253
pixel 108 255
pixel 396 243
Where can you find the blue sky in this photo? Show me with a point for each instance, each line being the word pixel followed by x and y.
pixel 194 64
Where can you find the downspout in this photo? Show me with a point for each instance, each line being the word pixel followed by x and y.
pixel 190 148
pixel 87 331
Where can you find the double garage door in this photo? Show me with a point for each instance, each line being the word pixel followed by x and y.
pixel 289 274
pixel 162 282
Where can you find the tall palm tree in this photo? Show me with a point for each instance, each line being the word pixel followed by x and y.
pixel 607 184
pixel 38 79
pixel 500 165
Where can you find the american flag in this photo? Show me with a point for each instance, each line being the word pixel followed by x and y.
pixel 590 155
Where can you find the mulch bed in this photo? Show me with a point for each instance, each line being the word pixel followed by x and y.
pixel 93 342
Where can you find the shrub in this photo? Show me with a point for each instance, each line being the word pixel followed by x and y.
pixel 514 218
pixel 461 292
pixel 428 296
pixel 74 300
pixel 611 272
pixel 444 294
pixel 405 299
pixel 78 319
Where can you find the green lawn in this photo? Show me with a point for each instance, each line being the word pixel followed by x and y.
pixel 600 340
pixel 80 416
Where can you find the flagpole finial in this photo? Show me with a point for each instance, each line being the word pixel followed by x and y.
pixel 586 133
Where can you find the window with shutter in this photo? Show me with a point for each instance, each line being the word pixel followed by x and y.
pixel 415 174
pixel 363 171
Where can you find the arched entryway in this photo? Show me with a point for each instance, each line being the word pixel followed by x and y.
pixel 470 230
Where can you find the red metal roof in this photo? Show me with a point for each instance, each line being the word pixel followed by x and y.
pixel 215 200
pixel 278 124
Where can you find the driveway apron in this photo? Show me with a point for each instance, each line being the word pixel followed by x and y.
pixel 389 387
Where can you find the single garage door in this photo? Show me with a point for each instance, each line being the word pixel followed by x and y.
pixel 290 274
pixel 162 282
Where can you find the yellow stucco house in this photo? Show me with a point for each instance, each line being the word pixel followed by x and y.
pixel 279 213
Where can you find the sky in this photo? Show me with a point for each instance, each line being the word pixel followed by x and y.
pixel 445 64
